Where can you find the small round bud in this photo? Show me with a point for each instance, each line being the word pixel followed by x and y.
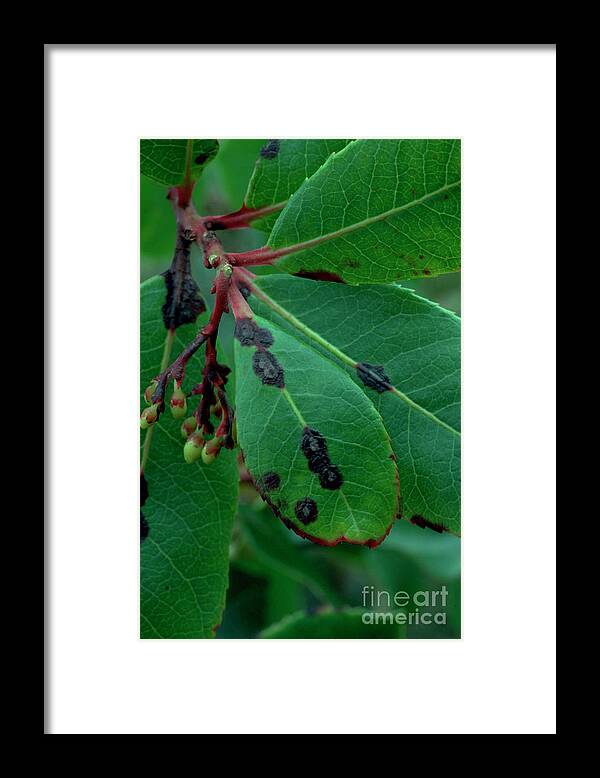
pixel 178 404
pixel 192 451
pixel 149 416
pixel 207 457
pixel 188 427
pixel 226 269
pixel 212 450
pixel 213 259
pixel 149 391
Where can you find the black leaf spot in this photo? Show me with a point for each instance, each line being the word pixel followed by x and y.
pixel 320 275
pixel 144 526
pixel 184 302
pixel 268 482
pixel 426 524
pixel 244 331
pixel 306 510
pixel 270 150
pixel 268 369
pixel 330 478
pixel 250 334
pixel 314 448
pixel 373 376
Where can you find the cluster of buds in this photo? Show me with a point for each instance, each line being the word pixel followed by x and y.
pixel 196 447
pixel 202 441
pixel 177 404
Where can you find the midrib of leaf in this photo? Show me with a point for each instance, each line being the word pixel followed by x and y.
pixel 343 357
pixel 309 244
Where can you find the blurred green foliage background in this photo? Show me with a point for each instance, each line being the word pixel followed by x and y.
pixel 274 573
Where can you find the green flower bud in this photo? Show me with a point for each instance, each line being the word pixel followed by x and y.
pixel 208 458
pixel 188 427
pixel 192 451
pixel 149 391
pixel 178 404
pixel 149 416
pixel 211 450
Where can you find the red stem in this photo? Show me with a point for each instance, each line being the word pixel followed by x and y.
pixel 238 219
pixel 239 306
pixel 262 256
pixel 221 296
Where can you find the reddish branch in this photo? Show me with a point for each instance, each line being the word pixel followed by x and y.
pixel 238 219
pixel 232 278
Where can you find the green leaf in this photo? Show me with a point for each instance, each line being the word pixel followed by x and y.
pixel 232 170
pixel 189 509
pixel 417 343
pixel 378 211
pixel 164 161
pixel 313 442
pixel 157 226
pixel 346 623
pixel 283 165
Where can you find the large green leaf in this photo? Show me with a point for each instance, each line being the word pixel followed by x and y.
pixel 313 442
pixel 376 212
pixel 283 165
pixel 413 342
pixel 347 623
pixel 189 510
pixel 164 160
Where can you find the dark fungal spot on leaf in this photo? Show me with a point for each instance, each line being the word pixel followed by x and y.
pixel 144 526
pixel 268 369
pixel 245 291
pixel 184 303
pixel 330 477
pixel 320 275
pixel 263 337
pixel 143 490
pixel 270 150
pixel 314 448
pixel 313 443
pixel 250 334
pixel 426 271
pixel 269 482
pixel 373 376
pixel 306 510
pixel 244 331
pixel 351 263
pixel 419 521
pixel 201 158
